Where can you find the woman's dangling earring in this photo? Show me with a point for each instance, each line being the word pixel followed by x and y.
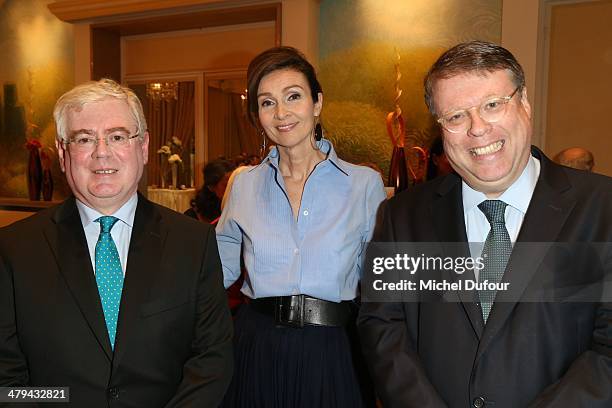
pixel 262 152
pixel 318 131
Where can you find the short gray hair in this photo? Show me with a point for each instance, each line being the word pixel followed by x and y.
pixel 96 91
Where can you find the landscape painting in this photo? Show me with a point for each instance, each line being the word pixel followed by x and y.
pixel 37 67
pixel 359 45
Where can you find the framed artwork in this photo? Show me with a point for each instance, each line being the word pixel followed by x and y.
pixel 359 45
pixel 37 67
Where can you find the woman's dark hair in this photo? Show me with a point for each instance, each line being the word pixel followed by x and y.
pixel 275 59
pixel 206 202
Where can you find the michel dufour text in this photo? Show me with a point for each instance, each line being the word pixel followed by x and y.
pixel 423 264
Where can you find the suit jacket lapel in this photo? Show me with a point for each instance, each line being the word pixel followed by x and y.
pixel 449 226
pixel 67 241
pixel 146 245
pixel 548 210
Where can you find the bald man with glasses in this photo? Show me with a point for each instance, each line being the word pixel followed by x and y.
pixel 537 332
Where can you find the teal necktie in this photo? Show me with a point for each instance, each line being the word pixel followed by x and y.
pixel 109 275
pixel 496 251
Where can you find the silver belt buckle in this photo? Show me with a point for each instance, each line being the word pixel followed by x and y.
pixel 289 311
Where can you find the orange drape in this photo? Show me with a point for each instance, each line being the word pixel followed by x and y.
pixel 229 132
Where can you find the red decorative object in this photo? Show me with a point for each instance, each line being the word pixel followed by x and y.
pixel 400 166
pixel 34 171
pixel 46 155
pixel 398 174
pixel 398 170
pixel 420 155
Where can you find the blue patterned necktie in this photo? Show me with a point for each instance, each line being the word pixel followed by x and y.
pixel 496 252
pixel 109 275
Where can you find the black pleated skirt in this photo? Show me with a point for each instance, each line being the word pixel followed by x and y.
pixel 284 367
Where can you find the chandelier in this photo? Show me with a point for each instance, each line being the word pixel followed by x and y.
pixel 162 91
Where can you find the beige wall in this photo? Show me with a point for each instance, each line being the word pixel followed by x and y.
pixel 580 81
pixel 300 23
pixel 300 29
pixel 223 48
pixel 520 35
pixel 82 53
pixel 562 72
pixel 520 25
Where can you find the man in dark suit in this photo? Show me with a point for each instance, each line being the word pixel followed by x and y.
pixel 117 298
pixel 546 341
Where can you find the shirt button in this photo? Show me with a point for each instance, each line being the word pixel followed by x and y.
pixel 113 393
pixel 296 251
pixel 305 212
pixel 478 402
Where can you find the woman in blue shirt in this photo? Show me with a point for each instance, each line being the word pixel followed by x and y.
pixel 300 219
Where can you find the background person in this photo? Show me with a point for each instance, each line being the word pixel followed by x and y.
pixel 485 348
pixel 577 158
pixel 206 206
pixel 437 163
pixel 108 294
pixel 301 218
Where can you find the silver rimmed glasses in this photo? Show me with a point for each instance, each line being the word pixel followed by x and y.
pixel 491 110
pixel 86 142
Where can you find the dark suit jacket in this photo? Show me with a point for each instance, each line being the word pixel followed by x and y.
pixel 531 352
pixel 173 345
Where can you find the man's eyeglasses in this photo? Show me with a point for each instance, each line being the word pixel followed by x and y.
pixel 491 110
pixel 85 142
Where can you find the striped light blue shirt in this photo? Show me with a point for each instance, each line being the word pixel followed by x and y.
pixel 320 253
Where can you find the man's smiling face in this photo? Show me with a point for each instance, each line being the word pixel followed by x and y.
pixel 103 177
pixel 488 156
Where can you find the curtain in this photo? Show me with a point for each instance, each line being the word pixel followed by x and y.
pixel 219 123
pixel 248 138
pixel 170 118
pixel 159 115
pixel 229 132
pixel 184 116
pixel 184 126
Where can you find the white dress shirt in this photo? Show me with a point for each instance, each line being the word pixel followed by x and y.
pixel 121 231
pixel 517 196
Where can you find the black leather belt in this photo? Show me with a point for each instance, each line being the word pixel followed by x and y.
pixel 301 310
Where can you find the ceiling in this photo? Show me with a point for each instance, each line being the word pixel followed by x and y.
pixel 192 20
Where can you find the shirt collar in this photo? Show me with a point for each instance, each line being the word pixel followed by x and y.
pixel 518 195
pixel 125 214
pixel 324 145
